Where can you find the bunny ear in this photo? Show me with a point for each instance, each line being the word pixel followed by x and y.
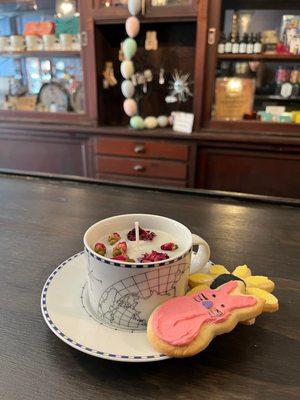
pixel 228 287
pixel 238 301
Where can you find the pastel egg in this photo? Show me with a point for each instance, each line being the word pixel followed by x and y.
pixel 137 122
pixel 129 48
pixel 150 122
pixel 127 89
pixel 130 107
pixel 132 26
pixel 127 69
pixel 162 121
pixel 134 6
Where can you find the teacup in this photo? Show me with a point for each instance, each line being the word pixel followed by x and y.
pixel 122 294
pixel 16 43
pixel 50 42
pixel 4 43
pixel 33 42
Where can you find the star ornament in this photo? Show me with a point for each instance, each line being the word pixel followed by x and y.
pixel 256 285
pixel 179 87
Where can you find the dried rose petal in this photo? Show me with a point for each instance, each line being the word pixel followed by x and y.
pixel 123 257
pixel 113 238
pixel 169 246
pixel 153 256
pixel 100 248
pixel 144 235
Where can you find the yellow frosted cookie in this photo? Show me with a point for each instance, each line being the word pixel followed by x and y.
pixel 198 279
pixel 261 282
pixel 218 269
pixel 271 302
pixel 242 271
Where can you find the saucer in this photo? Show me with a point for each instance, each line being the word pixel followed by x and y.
pixel 67 312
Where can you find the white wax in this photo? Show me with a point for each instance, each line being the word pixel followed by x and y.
pixel 135 252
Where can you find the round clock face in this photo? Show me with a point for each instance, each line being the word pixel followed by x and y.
pixel 54 97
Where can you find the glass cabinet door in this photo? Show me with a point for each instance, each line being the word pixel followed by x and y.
pixel 110 9
pixel 169 8
pixel 40 58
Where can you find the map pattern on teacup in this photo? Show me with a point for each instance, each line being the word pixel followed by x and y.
pixel 119 304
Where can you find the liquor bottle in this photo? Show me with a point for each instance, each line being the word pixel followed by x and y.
pixel 294 80
pixel 236 45
pixel 280 79
pixel 250 45
pixel 258 44
pixel 228 44
pixel 221 45
pixel 243 44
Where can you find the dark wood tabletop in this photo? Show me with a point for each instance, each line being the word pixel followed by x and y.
pixel 42 222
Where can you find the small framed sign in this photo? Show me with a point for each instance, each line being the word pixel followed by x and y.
pixel 183 122
pixel 234 98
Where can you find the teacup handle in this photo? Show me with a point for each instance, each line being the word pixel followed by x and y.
pixel 201 258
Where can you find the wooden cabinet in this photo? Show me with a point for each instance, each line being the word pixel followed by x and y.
pixel 267 172
pixel 58 154
pixel 158 161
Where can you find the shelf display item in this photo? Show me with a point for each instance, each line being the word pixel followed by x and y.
pixel 39 28
pixel 132 26
pixel 78 99
pixel 109 75
pixel 179 87
pixel 33 43
pixel 151 42
pixel 54 97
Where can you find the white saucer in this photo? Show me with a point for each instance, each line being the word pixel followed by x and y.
pixel 66 310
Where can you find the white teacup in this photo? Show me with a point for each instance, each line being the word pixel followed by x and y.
pixel 16 43
pixel 123 294
pixel 66 41
pixel 50 42
pixel 4 43
pixel 33 42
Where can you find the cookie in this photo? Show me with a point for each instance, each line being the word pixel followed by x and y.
pixel 257 285
pixel 184 326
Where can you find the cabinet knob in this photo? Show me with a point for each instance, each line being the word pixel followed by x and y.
pixel 138 168
pixel 139 149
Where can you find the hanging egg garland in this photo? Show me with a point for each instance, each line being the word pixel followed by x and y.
pixel 132 27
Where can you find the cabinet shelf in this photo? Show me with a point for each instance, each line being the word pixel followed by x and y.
pixel 41 53
pixel 262 57
pixel 276 97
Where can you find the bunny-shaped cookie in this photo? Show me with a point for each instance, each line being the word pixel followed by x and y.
pixel 184 326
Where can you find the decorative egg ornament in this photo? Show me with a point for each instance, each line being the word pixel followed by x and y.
pixel 134 6
pixel 162 121
pixel 137 122
pixel 129 48
pixel 127 89
pixel 127 69
pixel 130 107
pixel 132 26
pixel 150 122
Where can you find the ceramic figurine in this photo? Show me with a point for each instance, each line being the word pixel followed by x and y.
pixel 151 42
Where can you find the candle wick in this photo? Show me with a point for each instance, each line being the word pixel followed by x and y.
pixel 137 234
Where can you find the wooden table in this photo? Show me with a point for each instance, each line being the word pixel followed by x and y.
pixel 42 222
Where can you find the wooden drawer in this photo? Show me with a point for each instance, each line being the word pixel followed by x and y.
pixel 142 179
pixel 161 149
pixel 141 167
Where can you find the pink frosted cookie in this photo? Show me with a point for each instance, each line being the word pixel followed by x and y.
pixel 184 326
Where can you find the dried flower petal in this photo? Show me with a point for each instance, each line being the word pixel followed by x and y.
pixel 153 257
pixel 100 248
pixel 123 257
pixel 144 235
pixel 169 246
pixel 113 238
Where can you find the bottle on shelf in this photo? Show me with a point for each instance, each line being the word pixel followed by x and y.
pixel 228 44
pixel 250 44
pixel 280 78
pixel 257 44
pixel 221 45
pixel 294 80
pixel 236 45
pixel 243 44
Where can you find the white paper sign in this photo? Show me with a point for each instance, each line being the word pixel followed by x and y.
pixel 183 122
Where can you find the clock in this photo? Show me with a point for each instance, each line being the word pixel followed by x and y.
pixel 54 97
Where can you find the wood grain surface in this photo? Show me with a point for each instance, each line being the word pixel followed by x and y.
pixel 42 222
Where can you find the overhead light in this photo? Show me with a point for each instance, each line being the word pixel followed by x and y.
pixel 65 8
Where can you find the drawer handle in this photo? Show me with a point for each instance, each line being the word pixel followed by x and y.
pixel 139 168
pixel 139 149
